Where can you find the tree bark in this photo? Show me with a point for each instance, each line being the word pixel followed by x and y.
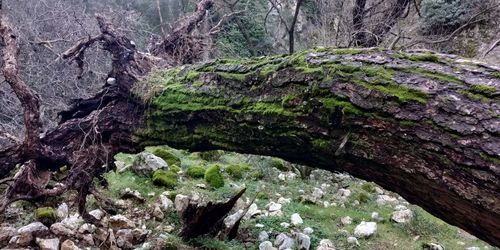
pixel 423 125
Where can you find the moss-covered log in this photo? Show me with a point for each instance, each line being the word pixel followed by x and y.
pixel 423 125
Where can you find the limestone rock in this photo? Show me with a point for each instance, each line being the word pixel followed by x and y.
pixel 166 203
pixel 284 242
pixel 21 240
pixel 402 216
pixel 61 229
pixel 253 211
pixel 69 245
pixel 263 236
pixel 303 241
pixel 266 245
pixel 48 244
pixel 365 229
pixel 33 228
pixel 98 214
pixel 120 222
pixel 325 244
pixel 386 199
pixel 346 220
pixel 352 240
pixel 146 164
pixel 181 203
pixel 296 219
pixel 433 246
pixel 6 233
pixel 62 211
pixel 308 231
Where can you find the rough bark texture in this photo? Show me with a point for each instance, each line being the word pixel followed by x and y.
pixel 423 125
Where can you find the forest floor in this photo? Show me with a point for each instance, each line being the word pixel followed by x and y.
pixel 331 207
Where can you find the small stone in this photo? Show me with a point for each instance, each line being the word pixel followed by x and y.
pixel 232 219
pixel 146 164
pixel 433 246
pixel 285 225
pixel 120 222
pixel 346 220
pixel 157 213
pixel 400 207
pixel 296 219
pixel 344 193
pixel 48 244
pixel 181 203
pixel 365 229
pixel 111 81
pixel 266 245
pixel 308 231
pixel 87 239
pixel 6 233
pixel 263 236
pixel 283 201
pixel 73 222
pixel 402 216
pixel 379 190
pixel 33 228
pixel 284 242
pixel 273 207
pixel 21 240
pixel 168 228
pixel 98 214
pixel 253 211
pixel 166 203
pixel 375 216
pixel 325 244
pixel 87 228
pixel 201 185
pixel 304 241
pixel 352 240
pixel 317 193
pixel 69 245
pixel 62 211
pixel 281 177
pixel 131 194
pixel 60 229
pixel 258 225
pixel 386 199
pixel 472 248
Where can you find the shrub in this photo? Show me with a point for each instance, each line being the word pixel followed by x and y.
pixel 261 195
pixel 257 174
pixel 237 170
pixel 164 178
pixel 213 155
pixel 368 187
pixel 196 172
pixel 279 164
pixel 174 168
pixel 442 14
pixel 214 177
pixel 167 156
pixel 364 197
pixel 46 215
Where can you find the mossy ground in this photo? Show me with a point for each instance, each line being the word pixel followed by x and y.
pixel 325 221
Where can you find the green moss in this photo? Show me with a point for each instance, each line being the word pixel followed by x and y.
pixel 483 90
pixel 192 75
pixel 473 96
pixel 257 174
pixel 496 74
pixel 212 155
pixel 170 158
pixel 278 164
pixel 287 101
pixel 237 170
pixel 423 57
pixel 368 187
pixel 164 178
pixel 322 144
pixel 433 74
pixel 233 76
pixel 46 215
pixel 174 168
pixel 261 195
pixel 196 172
pixel 214 177
pixel 364 197
pixel 347 51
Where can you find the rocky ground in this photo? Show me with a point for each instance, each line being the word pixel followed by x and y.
pixel 291 209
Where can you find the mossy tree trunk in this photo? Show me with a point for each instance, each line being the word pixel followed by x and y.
pixel 423 125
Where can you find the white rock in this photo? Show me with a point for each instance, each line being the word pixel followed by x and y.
pixel 120 222
pixel 33 228
pixel 317 193
pixel 253 210
pixel 201 185
pixel 6 233
pixel 400 207
pixel 87 228
pixel 375 216
pixel 21 240
pixel 98 214
pixel 48 244
pixel 308 231
pixel 352 240
pixel 344 193
pixel 181 203
pixel 111 81
pixel 230 220
pixel 303 241
pixel 379 190
pixel 258 225
pixel 283 201
pixel 326 204
pixel 273 207
pixel 281 177
pixel 284 242
pixel 157 213
pixel 386 199
pixel 263 236
pixel 346 220
pixel 296 219
pixel 73 222
pixel 434 246
pixel 266 245
pixel 365 229
pixel 325 244
pixel 285 225
pixel 69 245
pixel 146 164
pixel 62 211
pixel 472 248
pixel 402 216
pixel 166 203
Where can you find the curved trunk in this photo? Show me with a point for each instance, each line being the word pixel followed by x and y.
pixel 423 125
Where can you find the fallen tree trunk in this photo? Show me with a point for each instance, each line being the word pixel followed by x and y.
pixel 423 125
